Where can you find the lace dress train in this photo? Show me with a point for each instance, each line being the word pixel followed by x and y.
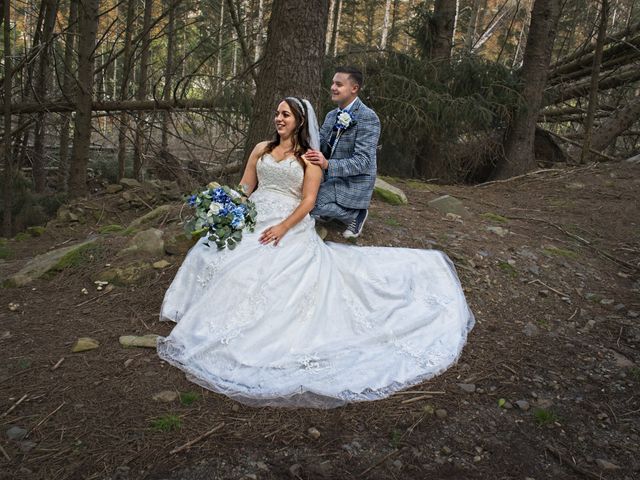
pixel 307 323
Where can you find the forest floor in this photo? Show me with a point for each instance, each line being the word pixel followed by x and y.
pixel 548 385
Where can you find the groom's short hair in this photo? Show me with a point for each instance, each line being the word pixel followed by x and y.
pixel 354 74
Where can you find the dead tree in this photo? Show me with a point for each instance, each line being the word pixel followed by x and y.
pixel 123 124
pixel 595 77
pixel 6 110
pixel 67 82
pixel 87 28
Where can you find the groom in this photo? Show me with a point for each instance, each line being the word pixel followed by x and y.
pixel 348 142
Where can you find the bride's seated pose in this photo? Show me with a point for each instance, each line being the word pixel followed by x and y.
pixel 285 319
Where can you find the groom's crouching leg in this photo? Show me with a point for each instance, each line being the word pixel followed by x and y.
pixel 332 211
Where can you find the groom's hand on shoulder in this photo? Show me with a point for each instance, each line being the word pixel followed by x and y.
pixel 315 157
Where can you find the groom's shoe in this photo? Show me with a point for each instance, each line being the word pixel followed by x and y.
pixel 355 227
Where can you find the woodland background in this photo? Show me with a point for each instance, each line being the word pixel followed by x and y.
pixel 466 90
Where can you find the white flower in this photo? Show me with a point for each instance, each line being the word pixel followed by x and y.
pixel 214 208
pixel 344 120
pixel 234 194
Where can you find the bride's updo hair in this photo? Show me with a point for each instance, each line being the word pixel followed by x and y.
pixel 301 142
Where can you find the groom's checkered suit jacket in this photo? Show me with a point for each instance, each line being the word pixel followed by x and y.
pixel 351 175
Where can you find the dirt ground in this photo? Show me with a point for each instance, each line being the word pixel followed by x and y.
pixel 547 386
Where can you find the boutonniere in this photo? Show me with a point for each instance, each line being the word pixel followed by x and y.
pixel 345 120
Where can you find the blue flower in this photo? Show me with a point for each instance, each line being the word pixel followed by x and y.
pixel 192 200
pixel 220 196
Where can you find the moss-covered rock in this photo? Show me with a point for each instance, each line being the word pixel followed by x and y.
pixel 388 193
pixel 179 244
pixel 36 231
pixel 114 228
pixel 50 262
pixel 127 275
pixel 151 216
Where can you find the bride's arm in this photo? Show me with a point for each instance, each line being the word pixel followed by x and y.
pixel 249 179
pixel 310 186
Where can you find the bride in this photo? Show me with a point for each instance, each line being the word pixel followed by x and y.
pixel 287 320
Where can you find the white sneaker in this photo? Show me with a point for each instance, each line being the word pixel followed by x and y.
pixel 355 227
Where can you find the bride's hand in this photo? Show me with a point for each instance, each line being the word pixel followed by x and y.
pixel 273 234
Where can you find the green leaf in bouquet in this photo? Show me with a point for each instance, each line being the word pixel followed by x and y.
pixel 237 235
pixel 231 244
pixel 199 232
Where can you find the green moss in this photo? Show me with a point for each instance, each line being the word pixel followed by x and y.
pixel 166 423
pixel 187 398
pixel 115 228
pixel 508 268
pixel 544 417
pixel 392 222
pixel 76 257
pixel 5 251
pixel 494 217
pixel 388 197
pixel 560 252
pixel 36 231
pixel 21 236
pixel 129 231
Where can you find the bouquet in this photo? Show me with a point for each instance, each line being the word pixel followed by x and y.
pixel 221 213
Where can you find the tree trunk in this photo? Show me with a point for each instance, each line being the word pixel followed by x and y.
pixel 385 25
pixel 610 129
pixel 87 28
pixel 292 62
pixel 522 38
pixel 138 147
pixel 335 29
pixel 123 123
pixel 257 51
pixel 393 30
pixel 67 82
pixel 595 76
pixel 7 197
pixel 519 139
pixel 472 28
pixel 219 79
pixel 444 17
pixel 168 73
pixel 332 14
pixel 39 173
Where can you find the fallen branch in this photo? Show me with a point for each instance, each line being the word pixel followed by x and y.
pixel 537 280
pixel 197 439
pixel 577 144
pixel 528 174
pixel 46 418
pixel 15 405
pixel 5 454
pixel 415 399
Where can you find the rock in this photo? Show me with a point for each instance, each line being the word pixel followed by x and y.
pixel 500 231
pixel 113 188
pixel 543 293
pixel 388 193
pixel 523 405
pixel 16 433
pixel 147 241
pixel 13 306
pixel 160 264
pixel 314 433
pixel 129 182
pixel 179 244
pixel 397 464
pixel 467 387
pixel 621 360
pixel 441 413
pixel 633 314
pixel 165 396
pixel 321 231
pixel 27 446
pixel 448 204
pixel 125 275
pixel 295 470
pixel 606 465
pixel 146 341
pixel 85 343
pixel 50 261
pixel 262 466
pixel 151 216
pixel 530 330
pixel 446 450
pixel 607 301
pixel 507 405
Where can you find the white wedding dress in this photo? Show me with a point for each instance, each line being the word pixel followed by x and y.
pixel 306 323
